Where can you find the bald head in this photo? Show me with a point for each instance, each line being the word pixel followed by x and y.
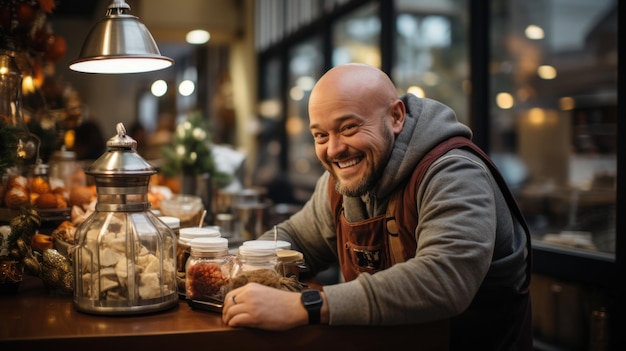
pixel 351 83
pixel 354 117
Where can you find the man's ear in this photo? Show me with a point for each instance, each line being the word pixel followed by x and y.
pixel 398 115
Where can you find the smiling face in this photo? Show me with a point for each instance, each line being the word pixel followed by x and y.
pixel 355 116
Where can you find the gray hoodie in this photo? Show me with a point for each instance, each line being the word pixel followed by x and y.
pixel 466 236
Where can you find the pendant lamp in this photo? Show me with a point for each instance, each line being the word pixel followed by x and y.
pixel 119 44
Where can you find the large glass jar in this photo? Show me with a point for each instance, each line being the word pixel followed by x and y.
pixel 125 257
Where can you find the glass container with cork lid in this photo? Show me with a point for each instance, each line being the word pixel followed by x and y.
pixel 125 257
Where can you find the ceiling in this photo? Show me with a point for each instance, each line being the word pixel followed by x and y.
pixel 167 20
pixel 76 8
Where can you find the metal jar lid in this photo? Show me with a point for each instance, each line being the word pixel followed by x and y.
pixel 121 158
pixel 120 172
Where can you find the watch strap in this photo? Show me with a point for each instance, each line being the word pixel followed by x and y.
pixel 313 305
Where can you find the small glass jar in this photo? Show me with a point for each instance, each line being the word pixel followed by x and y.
pixel 290 263
pixel 63 168
pixel 183 251
pixel 253 257
pixel 208 269
pixel 185 236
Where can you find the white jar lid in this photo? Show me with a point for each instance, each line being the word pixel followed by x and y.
pixel 209 244
pixel 278 244
pixel 257 250
pixel 187 234
pixel 172 222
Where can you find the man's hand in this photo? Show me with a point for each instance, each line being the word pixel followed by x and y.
pixel 263 307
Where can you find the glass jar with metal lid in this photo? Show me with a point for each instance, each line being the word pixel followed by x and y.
pixel 125 257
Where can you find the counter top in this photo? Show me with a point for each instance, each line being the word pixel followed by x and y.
pixel 34 319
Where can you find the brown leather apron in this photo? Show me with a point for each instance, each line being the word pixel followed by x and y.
pixel 376 243
pixel 364 247
pixel 495 320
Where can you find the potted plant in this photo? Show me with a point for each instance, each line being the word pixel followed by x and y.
pixel 190 157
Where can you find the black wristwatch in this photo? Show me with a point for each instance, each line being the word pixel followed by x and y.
pixel 312 301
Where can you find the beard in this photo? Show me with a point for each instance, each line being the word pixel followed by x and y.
pixel 369 179
pixel 361 186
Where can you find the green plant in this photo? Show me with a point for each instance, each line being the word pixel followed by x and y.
pixel 190 152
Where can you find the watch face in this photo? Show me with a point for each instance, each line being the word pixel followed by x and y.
pixel 310 297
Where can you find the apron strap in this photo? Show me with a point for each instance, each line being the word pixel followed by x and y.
pixel 396 247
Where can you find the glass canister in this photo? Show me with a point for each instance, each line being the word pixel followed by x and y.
pixel 208 269
pixel 125 257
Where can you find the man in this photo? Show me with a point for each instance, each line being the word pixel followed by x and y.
pixel 466 256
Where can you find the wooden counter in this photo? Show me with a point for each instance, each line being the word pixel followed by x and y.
pixel 34 319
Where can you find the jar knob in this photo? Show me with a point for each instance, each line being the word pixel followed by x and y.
pixel 122 140
pixel 121 131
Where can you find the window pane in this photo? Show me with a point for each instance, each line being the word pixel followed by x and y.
pixel 356 37
pixel 431 51
pixel 270 124
pixel 305 67
pixel 554 112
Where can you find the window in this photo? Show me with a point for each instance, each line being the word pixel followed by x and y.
pixel 553 77
pixel 269 123
pixel 356 37
pixel 305 67
pixel 431 55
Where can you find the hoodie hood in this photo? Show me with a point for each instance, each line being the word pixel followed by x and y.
pixel 427 123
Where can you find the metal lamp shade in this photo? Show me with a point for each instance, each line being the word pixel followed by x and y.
pixel 117 44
